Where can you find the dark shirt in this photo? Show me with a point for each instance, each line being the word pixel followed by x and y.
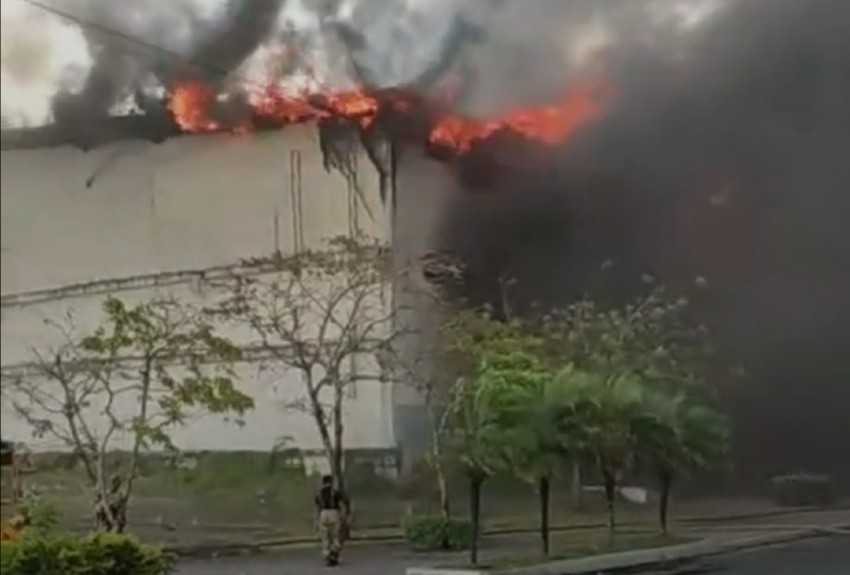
pixel 329 498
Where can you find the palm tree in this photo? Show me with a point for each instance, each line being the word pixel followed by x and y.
pixel 602 416
pixel 680 436
pixel 528 402
pixel 477 439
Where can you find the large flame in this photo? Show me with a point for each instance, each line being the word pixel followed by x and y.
pixel 192 105
pixel 550 124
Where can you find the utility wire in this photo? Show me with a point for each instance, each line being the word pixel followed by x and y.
pixel 197 64
pixel 141 42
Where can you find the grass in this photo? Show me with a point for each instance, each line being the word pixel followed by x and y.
pixel 251 496
pixel 245 490
pixel 575 546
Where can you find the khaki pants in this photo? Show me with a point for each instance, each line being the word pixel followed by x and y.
pixel 330 523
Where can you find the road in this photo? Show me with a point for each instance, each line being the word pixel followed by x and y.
pixel 812 557
pixel 356 561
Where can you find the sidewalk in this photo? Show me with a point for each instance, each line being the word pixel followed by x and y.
pixel 719 540
pixel 394 559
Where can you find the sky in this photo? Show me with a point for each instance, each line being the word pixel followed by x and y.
pixel 39 52
pixel 42 53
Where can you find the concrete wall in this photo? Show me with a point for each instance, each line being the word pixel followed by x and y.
pixel 135 219
pixel 423 190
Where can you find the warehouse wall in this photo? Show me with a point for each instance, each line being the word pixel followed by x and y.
pixel 135 219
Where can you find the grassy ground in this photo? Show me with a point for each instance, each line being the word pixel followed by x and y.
pixel 572 546
pixel 250 496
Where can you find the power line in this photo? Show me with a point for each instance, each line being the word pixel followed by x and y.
pixel 176 56
pixel 141 42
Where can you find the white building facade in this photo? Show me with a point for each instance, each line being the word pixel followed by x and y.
pixel 137 220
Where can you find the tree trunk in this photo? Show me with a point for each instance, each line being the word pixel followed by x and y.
pixel 610 482
pixel 543 491
pixel 111 516
pixel 445 505
pixel 475 481
pixel 442 485
pixel 665 480
pixel 338 463
pixel 576 487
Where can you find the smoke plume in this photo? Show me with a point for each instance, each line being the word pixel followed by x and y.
pixel 124 49
pixel 718 165
pixel 719 168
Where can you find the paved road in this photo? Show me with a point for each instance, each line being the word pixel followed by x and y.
pixel 811 557
pixel 356 561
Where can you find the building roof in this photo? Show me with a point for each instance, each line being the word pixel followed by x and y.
pixel 89 134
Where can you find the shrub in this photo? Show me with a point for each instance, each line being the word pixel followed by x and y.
pixel 39 515
pixel 437 534
pixel 800 489
pixel 97 554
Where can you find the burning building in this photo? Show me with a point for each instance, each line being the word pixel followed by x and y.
pixel 137 220
pixel 571 146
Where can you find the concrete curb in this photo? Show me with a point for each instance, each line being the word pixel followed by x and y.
pixel 647 558
pixel 252 547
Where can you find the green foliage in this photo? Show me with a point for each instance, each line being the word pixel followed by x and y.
pixel 184 367
pixel 318 312
pixel 41 516
pixel 477 435
pixel 143 371
pixel 527 400
pixel 492 359
pixel 97 554
pixel 804 489
pixel 602 416
pixel 681 434
pixel 650 337
pixel 609 387
pixel 437 533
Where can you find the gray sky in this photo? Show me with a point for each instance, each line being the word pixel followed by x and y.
pixel 42 53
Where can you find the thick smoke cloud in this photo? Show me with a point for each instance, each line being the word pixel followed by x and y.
pixel 145 46
pixel 720 161
pixel 721 169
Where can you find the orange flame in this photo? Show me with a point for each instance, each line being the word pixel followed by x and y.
pixel 548 125
pixel 192 106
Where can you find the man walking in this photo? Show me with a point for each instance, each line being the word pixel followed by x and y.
pixel 331 510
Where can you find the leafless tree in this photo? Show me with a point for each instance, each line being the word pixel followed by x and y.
pixel 125 385
pixel 315 313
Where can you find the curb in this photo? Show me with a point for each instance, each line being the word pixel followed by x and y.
pixel 258 546
pixel 648 558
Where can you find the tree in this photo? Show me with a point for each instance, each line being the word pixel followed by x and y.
pixel 681 435
pixel 143 371
pixel 602 416
pixel 650 337
pixel 528 402
pixel 493 362
pixel 437 392
pixel 317 313
pixel 477 438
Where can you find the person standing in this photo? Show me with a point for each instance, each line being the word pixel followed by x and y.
pixel 331 510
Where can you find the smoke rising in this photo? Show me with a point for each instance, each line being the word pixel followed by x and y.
pixel 719 168
pixel 124 49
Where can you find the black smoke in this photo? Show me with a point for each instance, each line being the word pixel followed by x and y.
pixel 721 170
pixel 141 52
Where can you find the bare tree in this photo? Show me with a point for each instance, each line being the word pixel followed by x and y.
pixel 316 313
pixel 125 386
pixel 437 390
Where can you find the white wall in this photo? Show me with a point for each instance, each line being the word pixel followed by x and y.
pixel 153 217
